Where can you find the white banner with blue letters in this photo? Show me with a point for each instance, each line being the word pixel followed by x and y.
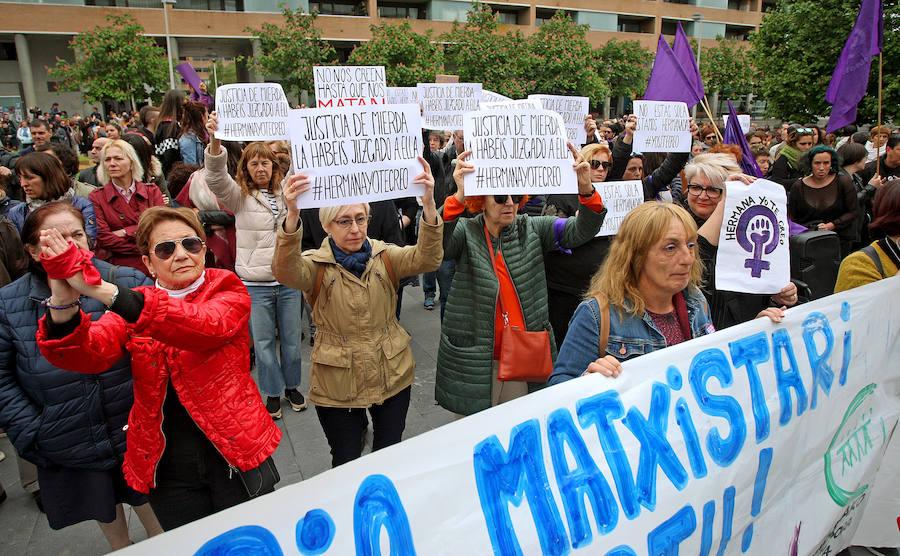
pixel 759 439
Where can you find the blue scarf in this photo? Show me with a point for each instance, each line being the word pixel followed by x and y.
pixel 354 262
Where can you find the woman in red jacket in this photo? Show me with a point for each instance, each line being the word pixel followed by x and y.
pixel 199 437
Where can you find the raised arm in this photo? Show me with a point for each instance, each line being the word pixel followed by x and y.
pixel 216 163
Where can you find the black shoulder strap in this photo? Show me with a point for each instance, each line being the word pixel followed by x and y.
pixel 870 251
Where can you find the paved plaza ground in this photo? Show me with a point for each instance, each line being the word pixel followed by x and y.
pixel 303 451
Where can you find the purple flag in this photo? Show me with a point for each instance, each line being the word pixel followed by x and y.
pixel 668 80
pixel 735 136
pixel 851 74
pixel 685 57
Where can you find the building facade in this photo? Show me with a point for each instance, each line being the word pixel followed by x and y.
pixel 34 33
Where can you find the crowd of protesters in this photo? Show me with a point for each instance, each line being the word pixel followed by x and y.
pixel 143 286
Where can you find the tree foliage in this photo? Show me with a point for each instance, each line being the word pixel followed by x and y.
pixel 626 66
pixel 563 61
pixel 479 53
pixel 408 57
pixel 797 47
pixel 727 68
pixel 290 51
pixel 115 61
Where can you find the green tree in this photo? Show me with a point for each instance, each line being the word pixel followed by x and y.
pixel 290 51
pixel 408 57
pixel 626 66
pixel 480 54
pixel 563 61
pixel 115 61
pixel 797 47
pixel 727 68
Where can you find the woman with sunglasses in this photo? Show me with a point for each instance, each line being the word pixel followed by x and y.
pixel 787 168
pixel 706 176
pixel 483 299
pixel 255 198
pixel 71 426
pixel 199 437
pixel 361 360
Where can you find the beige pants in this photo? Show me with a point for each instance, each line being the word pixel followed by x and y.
pixel 28 475
pixel 503 391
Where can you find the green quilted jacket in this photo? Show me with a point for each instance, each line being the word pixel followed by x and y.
pixel 465 352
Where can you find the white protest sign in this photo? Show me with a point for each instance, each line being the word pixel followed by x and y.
pixel 402 95
pixel 518 152
pixel 753 255
pixel 251 112
pixel 743 119
pixel 491 96
pixel 759 439
pixel 619 197
pixel 443 104
pixel 572 109
pixel 522 104
pixel 366 154
pixel 662 127
pixel 339 86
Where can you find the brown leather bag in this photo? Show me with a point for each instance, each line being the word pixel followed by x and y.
pixel 524 356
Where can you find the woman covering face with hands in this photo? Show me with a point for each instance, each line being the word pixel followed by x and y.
pixel 482 300
pixel 361 360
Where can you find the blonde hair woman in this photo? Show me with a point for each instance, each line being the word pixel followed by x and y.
pixel 650 280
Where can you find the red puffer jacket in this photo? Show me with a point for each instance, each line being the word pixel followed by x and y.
pixel 201 344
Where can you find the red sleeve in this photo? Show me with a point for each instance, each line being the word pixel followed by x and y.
pixel 453 208
pixel 91 348
pixel 594 202
pixel 195 326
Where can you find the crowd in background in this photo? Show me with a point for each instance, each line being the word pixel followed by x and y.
pixel 203 265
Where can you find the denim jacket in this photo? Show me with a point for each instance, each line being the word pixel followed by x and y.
pixel 629 336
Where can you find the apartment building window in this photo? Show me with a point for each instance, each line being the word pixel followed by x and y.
pixel 737 32
pixel 125 3
pixel 668 27
pixel 338 7
pixel 635 24
pixel 543 15
pixel 210 5
pixel 8 51
pixel 678 1
pixel 402 11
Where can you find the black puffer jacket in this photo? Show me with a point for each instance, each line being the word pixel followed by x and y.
pixel 56 417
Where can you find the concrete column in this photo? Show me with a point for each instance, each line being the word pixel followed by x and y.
pixel 605 113
pixel 24 57
pixel 372 8
pixel 620 106
pixel 714 105
pixel 257 51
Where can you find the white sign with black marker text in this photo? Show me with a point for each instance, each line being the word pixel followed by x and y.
pixel 572 109
pixel 356 156
pixel 662 127
pixel 619 197
pixel 443 104
pixel 344 86
pixel 251 112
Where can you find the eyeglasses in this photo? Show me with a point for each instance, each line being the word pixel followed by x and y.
pixel 165 249
pixel 361 222
pixel 712 192
pixel 708 137
pixel 596 164
pixel 501 199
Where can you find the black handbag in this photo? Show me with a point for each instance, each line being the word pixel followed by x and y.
pixel 261 479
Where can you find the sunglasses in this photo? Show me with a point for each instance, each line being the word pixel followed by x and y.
pixel 501 199
pixel 596 164
pixel 165 249
pixel 712 192
pixel 708 137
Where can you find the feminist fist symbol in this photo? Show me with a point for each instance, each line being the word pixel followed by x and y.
pixel 760 238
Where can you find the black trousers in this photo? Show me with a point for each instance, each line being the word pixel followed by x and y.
pixel 344 428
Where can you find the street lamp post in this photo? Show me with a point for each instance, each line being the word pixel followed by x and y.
pixel 168 42
pixel 698 21
pixel 215 70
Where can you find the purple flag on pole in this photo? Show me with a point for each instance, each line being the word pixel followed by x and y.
pixel 735 136
pixel 685 57
pixel 851 74
pixel 668 80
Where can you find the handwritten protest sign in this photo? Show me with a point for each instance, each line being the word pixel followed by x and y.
pixel 743 119
pixel 512 105
pixel 251 112
pixel 662 127
pixel 760 439
pixel 753 254
pixel 338 86
pixel 402 95
pixel 619 197
pixel 355 156
pixel 572 109
pixel 518 152
pixel 443 104
pixel 491 96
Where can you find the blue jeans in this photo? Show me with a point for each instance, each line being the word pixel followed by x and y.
pixel 444 277
pixel 274 307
